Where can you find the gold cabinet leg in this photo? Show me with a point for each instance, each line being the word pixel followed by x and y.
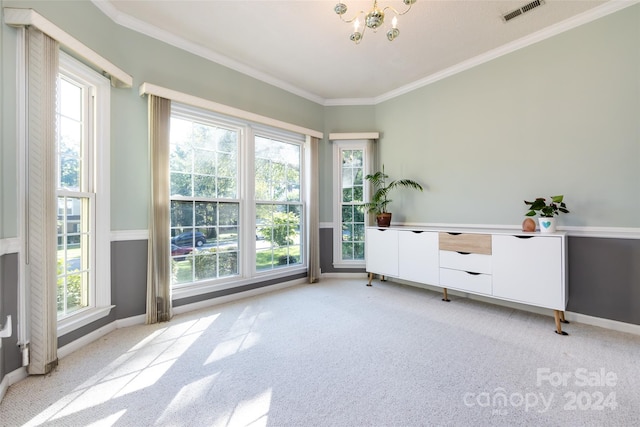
pixel 370 279
pixel 445 296
pixel 557 314
pixel 562 319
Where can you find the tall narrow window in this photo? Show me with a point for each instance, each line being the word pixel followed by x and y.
pixel 205 207
pixel 352 215
pixel 75 199
pixel 350 193
pixel 279 213
pixel 81 143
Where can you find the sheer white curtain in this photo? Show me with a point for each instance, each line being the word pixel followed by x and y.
pixel 41 209
pixel 159 247
pixel 313 202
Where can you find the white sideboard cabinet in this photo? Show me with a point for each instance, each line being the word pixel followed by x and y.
pixel 381 251
pixel 418 256
pixel 527 268
pixel 408 254
pixel 530 269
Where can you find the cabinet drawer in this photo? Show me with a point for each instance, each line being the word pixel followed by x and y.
pixel 476 263
pixel 465 242
pixel 464 281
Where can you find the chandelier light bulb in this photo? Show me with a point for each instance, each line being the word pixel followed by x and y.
pixel 394 22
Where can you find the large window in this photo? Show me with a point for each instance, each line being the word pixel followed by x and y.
pixel 81 174
pixel 236 200
pixel 351 163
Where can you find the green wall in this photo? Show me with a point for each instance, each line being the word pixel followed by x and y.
pixel 339 119
pixel 558 117
pixel 147 60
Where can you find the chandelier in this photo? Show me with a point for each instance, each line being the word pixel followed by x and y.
pixel 372 19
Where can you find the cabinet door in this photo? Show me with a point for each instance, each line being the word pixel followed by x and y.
pixel 381 249
pixel 529 269
pixel 419 256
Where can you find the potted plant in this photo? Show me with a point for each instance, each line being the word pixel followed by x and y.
pixel 547 211
pixel 380 198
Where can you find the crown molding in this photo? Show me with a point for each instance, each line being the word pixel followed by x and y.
pixel 551 31
pixel 137 25
pixel 601 11
pixel 157 33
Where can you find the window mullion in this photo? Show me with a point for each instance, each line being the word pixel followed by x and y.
pixel 248 208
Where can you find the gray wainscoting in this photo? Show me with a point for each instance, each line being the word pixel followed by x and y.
pixel 604 278
pixel 11 356
pixel 326 254
pixel 129 277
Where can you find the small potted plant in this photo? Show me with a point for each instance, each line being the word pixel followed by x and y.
pixel 380 198
pixel 547 211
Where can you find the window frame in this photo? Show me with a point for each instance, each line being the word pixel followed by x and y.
pixel 188 113
pixel 338 147
pixel 98 172
pixel 287 138
pixel 247 273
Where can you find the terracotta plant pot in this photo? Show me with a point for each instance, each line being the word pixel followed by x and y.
pixel 383 219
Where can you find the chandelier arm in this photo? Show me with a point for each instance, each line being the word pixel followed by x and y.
pixel 349 21
pixel 396 11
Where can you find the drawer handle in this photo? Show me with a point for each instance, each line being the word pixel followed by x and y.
pixel 523 237
pixel 453 234
pixel 417 231
pixel 382 229
pixel 464 253
pixel 472 273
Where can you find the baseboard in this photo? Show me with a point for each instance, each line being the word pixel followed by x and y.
pixel 12 378
pixel 131 321
pixel 86 339
pixel 338 275
pixel 237 296
pixel 613 325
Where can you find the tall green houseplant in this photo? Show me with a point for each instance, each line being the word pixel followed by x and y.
pixel 380 198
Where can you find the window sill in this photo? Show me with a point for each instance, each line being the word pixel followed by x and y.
pixel 81 319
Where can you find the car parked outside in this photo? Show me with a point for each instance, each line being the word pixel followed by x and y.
pixel 178 252
pixel 189 238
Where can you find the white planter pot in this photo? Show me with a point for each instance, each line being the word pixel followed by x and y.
pixel 547 225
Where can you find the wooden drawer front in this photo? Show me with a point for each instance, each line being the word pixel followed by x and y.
pixel 469 282
pixel 475 263
pixel 465 242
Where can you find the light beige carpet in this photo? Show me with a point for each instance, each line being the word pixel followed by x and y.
pixel 338 353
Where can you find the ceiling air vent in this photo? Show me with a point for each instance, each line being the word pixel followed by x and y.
pixel 524 9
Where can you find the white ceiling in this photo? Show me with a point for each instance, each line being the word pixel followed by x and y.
pixel 303 47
